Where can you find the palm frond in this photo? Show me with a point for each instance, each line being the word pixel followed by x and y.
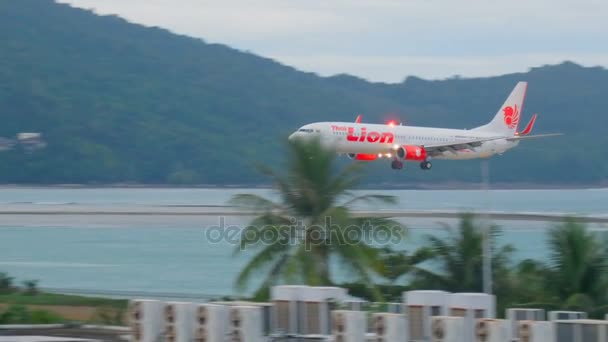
pixel 385 199
pixel 361 261
pixel 259 262
pixel 265 225
pixel 282 185
pixel 252 201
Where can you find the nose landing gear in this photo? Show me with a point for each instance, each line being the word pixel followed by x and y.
pixel 396 165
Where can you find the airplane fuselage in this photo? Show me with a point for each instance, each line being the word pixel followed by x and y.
pixel 383 140
pixel 362 141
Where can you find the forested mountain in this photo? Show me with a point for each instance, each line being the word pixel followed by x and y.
pixel 118 102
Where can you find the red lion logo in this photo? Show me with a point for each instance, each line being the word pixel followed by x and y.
pixel 511 116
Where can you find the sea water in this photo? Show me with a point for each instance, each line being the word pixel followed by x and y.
pixel 148 255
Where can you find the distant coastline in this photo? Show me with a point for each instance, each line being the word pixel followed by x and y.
pixel 380 186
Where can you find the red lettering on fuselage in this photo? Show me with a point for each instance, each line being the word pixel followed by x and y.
pixel 372 137
pixel 351 135
pixel 387 137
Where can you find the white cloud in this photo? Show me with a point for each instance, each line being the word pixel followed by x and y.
pixel 245 18
pixel 227 19
pixel 387 39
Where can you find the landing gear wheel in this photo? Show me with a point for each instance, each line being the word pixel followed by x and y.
pixel 396 165
pixel 426 165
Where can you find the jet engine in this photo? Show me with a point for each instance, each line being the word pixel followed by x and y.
pixel 411 152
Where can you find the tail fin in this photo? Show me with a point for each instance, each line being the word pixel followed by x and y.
pixel 506 120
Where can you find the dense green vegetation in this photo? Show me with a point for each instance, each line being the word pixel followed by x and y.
pixel 575 278
pixel 20 314
pixel 18 302
pixel 118 102
pixel 29 294
pixel 61 299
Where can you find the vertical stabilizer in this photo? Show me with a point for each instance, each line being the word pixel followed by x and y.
pixel 507 119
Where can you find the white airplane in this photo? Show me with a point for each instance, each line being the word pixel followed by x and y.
pixel 406 143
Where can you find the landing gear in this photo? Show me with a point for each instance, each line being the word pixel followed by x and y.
pixel 396 165
pixel 426 165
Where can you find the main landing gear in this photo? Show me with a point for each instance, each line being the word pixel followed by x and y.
pixel 396 164
pixel 426 165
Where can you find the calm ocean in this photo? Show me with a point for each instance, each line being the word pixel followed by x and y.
pixel 176 257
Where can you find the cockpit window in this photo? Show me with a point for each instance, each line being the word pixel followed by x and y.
pixel 306 130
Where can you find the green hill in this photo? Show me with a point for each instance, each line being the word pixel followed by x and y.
pixel 118 102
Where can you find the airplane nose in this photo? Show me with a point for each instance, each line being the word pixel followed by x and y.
pixel 292 136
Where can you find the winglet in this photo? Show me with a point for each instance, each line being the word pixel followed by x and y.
pixel 358 119
pixel 529 126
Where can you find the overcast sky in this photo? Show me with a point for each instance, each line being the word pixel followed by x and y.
pixel 387 40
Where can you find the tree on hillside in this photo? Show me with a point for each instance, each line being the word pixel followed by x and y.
pixel 311 226
pixel 577 266
pixel 123 103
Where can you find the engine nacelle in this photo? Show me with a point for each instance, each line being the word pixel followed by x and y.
pixel 411 152
pixel 362 156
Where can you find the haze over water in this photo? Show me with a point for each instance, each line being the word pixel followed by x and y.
pixel 152 255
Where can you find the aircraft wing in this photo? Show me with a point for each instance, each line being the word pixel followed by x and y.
pixel 522 137
pixel 454 146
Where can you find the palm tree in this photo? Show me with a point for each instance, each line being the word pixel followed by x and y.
pixel 578 266
pixel 530 280
pixel 457 260
pixel 30 287
pixel 398 263
pixel 6 283
pixel 312 224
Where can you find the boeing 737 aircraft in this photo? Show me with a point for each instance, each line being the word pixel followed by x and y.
pixel 406 143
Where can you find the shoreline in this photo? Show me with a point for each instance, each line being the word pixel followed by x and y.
pixel 175 211
pixel 403 186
